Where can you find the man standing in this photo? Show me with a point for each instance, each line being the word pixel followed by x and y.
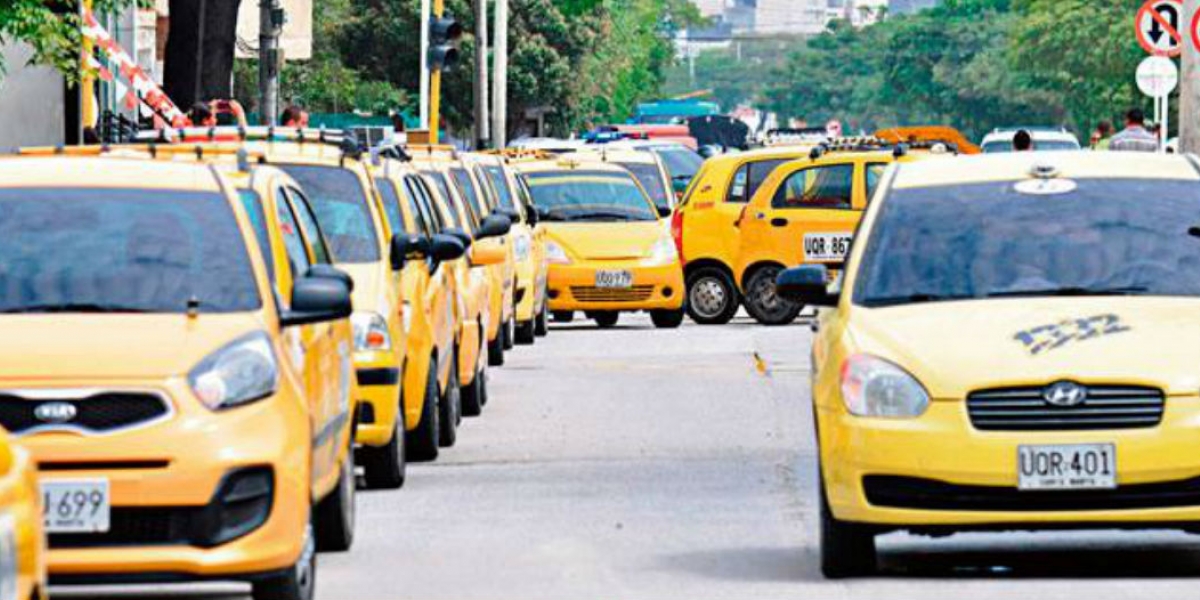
pixel 1135 137
pixel 294 116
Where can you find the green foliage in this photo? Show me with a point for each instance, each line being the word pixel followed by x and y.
pixel 51 28
pixel 736 75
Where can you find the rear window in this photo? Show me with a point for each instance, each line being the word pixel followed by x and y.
pixel 93 250
pixel 682 163
pixel 340 202
pixel 651 179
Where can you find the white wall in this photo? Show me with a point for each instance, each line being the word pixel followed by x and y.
pixel 31 102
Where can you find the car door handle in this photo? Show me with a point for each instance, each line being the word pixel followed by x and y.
pixel 779 222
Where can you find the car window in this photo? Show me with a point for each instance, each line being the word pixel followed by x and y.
pixel 427 202
pixel 443 188
pixel 416 211
pixel 466 188
pixel 737 188
pixel 500 183
pixel 489 190
pixel 590 196
pixel 391 203
pixel 122 250
pixel 308 221
pixel 681 163
pixel 986 240
pixel 341 206
pixel 258 220
pixel 874 174
pixel 651 179
pixel 759 171
pixel 293 241
pixel 817 187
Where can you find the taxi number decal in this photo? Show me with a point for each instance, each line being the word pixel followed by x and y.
pixel 826 246
pixel 1049 337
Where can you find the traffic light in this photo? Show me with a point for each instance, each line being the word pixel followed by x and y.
pixel 444 33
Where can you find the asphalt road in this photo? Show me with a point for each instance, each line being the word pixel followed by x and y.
pixel 637 463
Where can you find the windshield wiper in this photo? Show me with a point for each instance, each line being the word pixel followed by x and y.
pixel 1069 291
pixel 81 307
pixel 588 216
pixel 916 298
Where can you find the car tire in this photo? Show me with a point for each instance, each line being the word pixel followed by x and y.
pixel 335 513
pixel 297 583
pixel 509 335
pixel 847 549
pixel 667 319
pixel 384 468
pixel 525 334
pixel 712 298
pixel 496 349
pixel 562 316
pixel 763 303
pixel 540 327
pixel 450 407
pixel 425 440
pixel 605 319
pixel 474 395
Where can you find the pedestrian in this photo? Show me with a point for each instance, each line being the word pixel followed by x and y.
pixel 1022 141
pixel 294 116
pixel 1103 136
pixel 1135 137
pixel 202 116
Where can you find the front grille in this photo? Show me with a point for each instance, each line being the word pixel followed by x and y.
pixel 1105 407
pixel 136 527
pixel 99 413
pixel 637 293
pixel 928 494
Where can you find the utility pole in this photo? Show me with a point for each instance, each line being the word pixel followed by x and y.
pixel 426 9
pixel 500 87
pixel 483 129
pixel 1189 90
pixel 270 26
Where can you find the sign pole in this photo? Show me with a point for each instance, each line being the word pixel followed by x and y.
pixel 426 9
pixel 1189 92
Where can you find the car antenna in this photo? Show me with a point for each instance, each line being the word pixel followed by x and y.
pixel 193 307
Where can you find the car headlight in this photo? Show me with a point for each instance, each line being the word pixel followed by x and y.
pixel 521 246
pixel 241 372
pixel 662 253
pixel 8 558
pixel 406 317
pixel 555 254
pixel 873 387
pixel 370 332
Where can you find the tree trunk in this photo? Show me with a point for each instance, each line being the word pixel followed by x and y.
pixel 200 44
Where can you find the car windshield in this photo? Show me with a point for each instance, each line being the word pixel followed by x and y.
pixel 992 240
pixel 682 163
pixel 651 179
pixel 112 250
pixel 338 198
pixel 590 196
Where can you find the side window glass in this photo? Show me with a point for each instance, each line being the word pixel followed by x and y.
pixel 489 191
pixel 292 241
pixel 428 222
pixel 818 187
pixel 258 220
pixel 467 190
pixel 429 203
pixel 391 203
pixel 759 172
pixel 312 231
pixel 737 189
pixel 874 176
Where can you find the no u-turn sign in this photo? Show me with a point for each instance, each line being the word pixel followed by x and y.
pixel 1159 28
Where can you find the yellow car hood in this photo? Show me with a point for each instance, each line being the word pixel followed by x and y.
pixel 956 347
pixel 368 286
pixel 606 241
pixel 91 346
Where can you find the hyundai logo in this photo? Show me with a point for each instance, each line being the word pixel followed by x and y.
pixel 1064 393
pixel 55 413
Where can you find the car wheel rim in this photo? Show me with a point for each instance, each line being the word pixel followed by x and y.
pixel 708 297
pixel 764 293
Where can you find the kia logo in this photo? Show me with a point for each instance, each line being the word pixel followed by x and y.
pixel 55 413
pixel 1064 393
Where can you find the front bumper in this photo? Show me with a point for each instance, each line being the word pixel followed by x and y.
pixel 170 490
pixel 937 471
pixel 379 375
pixel 572 287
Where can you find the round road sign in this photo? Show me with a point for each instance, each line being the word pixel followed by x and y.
pixel 1157 76
pixel 1158 24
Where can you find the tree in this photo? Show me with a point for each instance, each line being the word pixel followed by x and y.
pixel 199 59
pixel 51 28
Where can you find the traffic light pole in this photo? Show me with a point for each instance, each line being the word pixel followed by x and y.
pixel 1189 90
pixel 425 21
pixel 483 127
pixel 435 84
pixel 500 84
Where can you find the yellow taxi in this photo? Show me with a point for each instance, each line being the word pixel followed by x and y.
pixel 501 305
pixel 424 255
pixel 187 421
pixel 648 167
pixel 527 239
pixel 704 227
pixel 22 543
pixel 608 248
pixel 804 212
pixel 1010 347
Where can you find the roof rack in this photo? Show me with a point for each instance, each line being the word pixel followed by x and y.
pixel 152 151
pixel 512 154
pixel 346 141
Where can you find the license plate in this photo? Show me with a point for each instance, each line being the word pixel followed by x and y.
pixel 1067 467
pixel 614 279
pixel 826 246
pixel 75 506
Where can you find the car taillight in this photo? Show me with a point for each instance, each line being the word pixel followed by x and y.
pixel 677 232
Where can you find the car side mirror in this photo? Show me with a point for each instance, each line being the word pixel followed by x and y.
pixel 486 254
pixel 807 285
pixel 407 246
pixel 532 217
pixel 664 211
pixel 316 300
pixel 444 247
pixel 331 272
pixel 493 226
pixel 460 235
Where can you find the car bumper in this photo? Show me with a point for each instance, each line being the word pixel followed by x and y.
pixel 168 485
pixel 379 397
pixel 937 471
pixel 572 287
